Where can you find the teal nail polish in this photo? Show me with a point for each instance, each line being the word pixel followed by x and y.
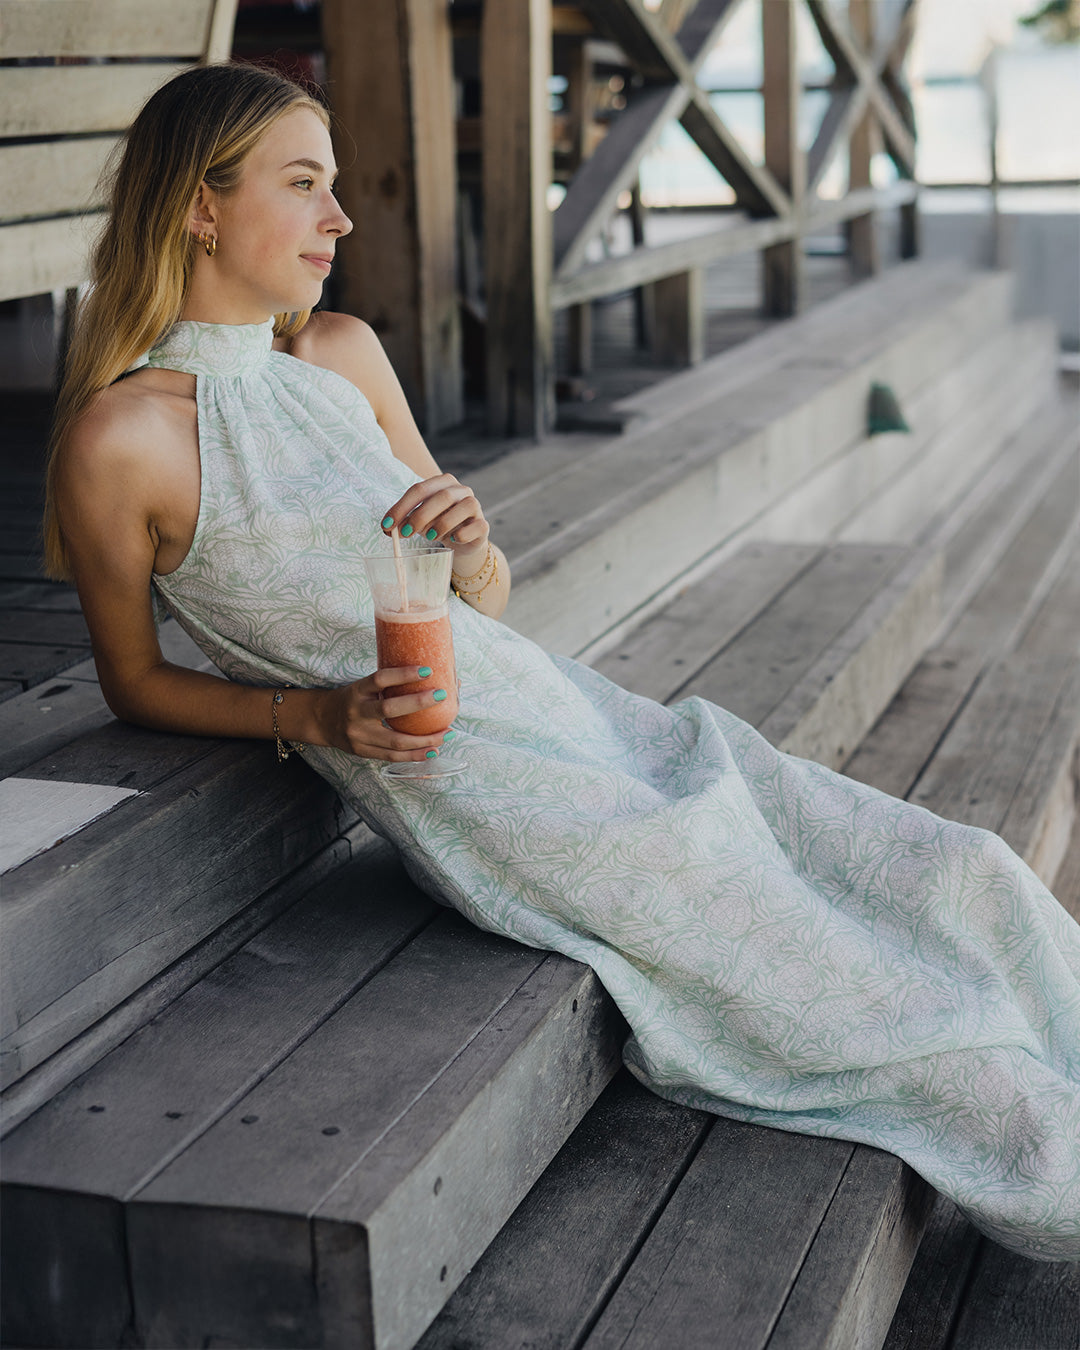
pixel 432 533
pixel 431 754
pixel 388 522
pixel 424 672
pixel 406 530
pixel 453 540
pixel 439 695
pixel 448 733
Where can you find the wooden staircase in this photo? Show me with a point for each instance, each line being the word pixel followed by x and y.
pixel 261 1092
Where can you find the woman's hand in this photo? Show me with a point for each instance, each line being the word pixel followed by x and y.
pixel 442 511
pixel 353 718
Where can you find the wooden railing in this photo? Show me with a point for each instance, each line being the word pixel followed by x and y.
pixel 777 202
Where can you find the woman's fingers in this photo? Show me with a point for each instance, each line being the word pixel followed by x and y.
pixel 367 731
pixel 436 508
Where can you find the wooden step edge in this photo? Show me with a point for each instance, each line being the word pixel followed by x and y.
pixel 39 1084
pixel 854 1274
pixel 832 402
pixel 842 695
pixel 912 291
pixel 80 937
pixel 567 1050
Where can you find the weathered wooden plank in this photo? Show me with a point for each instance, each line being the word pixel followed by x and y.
pixel 984 758
pixel 782 278
pixel 39 721
pixel 678 318
pixel 44 255
pixel 855 1271
pixel 54 176
pixel 516 66
pixel 390 67
pixel 1013 1302
pixel 9 689
pixel 1067 882
pixel 926 1312
pixel 32 662
pixel 43 627
pixel 80 935
pixel 511 1113
pixel 37 815
pixel 547 1275
pixel 893 755
pixel 753 678
pixel 728 1247
pixel 410 1091
pixel 52 100
pixel 40 595
pixel 657 658
pixel 103 28
pixel 862 232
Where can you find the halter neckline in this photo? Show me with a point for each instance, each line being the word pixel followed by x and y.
pixel 214 348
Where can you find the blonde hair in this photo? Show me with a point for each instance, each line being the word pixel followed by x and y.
pixel 198 127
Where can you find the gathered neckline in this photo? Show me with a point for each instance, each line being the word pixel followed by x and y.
pixel 214 348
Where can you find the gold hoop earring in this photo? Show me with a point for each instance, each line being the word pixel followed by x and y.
pixel 209 242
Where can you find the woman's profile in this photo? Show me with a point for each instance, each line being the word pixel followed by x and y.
pixel 789 947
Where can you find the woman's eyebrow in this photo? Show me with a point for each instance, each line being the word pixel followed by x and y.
pixel 312 164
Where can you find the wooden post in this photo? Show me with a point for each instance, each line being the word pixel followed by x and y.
pixel 677 320
pixel 391 87
pixel 782 282
pixel 861 231
pixel 515 67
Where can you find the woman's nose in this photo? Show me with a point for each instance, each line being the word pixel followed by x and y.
pixel 338 223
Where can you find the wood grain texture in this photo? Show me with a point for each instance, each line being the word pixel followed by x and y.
pixel 80 934
pixel 1016 1304
pixel 56 176
pixel 855 1271
pixel 38 256
pixel 103 28
pixel 544 1279
pixel 723 1256
pixel 926 1312
pixel 52 100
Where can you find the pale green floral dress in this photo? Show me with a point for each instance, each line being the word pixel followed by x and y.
pixel 788 946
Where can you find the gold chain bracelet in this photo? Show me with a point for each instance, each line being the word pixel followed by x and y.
pixel 488 556
pixel 465 595
pixel 283 750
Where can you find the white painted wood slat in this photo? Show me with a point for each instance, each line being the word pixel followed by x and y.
pixel 104 27
pixel 53 178
pixel 54 100
pixel 45 255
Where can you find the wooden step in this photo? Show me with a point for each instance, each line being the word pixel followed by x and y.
pixel 816 665
pixel 323 1133
pixel 595 542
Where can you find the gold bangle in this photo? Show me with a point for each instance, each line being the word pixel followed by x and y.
pixel 488 556
pixel 283 750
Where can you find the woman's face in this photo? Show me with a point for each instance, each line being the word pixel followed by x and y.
pixel 276 232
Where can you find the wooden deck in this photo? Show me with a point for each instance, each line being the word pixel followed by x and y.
pixel 232 1116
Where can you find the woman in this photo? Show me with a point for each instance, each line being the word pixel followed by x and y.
pixel 789 947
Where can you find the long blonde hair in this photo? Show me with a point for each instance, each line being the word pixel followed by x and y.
pixel 198 127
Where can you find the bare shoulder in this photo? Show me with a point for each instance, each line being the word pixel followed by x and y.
pixel 136 445
pixel 349 347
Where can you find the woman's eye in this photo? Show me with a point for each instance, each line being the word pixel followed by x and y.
pixel 304 183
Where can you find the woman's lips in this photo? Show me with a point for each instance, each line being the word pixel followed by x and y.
pixel 322 263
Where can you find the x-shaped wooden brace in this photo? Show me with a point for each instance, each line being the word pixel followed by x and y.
pixel 862 80
pixel 669 64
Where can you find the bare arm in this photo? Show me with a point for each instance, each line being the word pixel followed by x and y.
pixel 439 502
pixel 115 499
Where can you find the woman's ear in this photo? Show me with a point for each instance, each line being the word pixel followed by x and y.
pixel 201 217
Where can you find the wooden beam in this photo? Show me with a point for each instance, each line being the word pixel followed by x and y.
pixel 861 230
pixel 516 65
pixel 782 280
pixel 756 189
pixel 677 318
pixel 391 86
pixel 219 36
pixel 845 53
pixel 45 255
